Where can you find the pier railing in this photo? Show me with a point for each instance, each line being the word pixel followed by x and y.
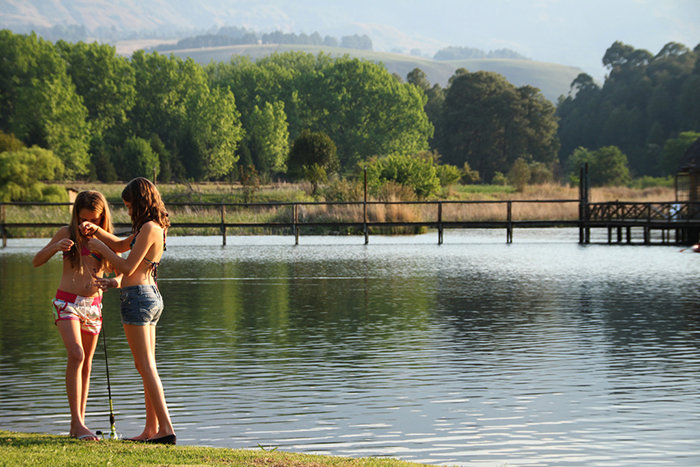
pixel 367 217
pixel 678 219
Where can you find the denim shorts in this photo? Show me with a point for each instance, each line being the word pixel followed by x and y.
pixel 141 305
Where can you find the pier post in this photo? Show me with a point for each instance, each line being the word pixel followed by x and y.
pixel 295 221
pixel 584 232
pixel 2 225
pixel 364 211
pixel 440 223
pixel 223 222
pixel 509 228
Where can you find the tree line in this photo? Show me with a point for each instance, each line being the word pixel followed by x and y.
pixel 231 35
pixel 294 115
pixel 646 101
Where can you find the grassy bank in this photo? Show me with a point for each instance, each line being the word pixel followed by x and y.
pixel 20 449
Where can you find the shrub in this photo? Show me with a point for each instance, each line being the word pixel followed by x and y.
pixel 21 173
pixel 499 179
pixel 418 172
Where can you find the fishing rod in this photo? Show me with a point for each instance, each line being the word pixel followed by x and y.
pixel 113 434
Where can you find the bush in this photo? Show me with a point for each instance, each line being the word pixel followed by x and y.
pixel 469 176
pixel 10 143
pixel 519 174
pixel 652 182
pixel 448 174
pixel 21 173
pixel 344 190
pixel 540 174
pixel 499 179
pixel 418 172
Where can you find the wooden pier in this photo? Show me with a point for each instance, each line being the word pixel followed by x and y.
pixel 677 222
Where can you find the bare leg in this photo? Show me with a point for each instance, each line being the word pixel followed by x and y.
pixel 151 428
pixel 142 342
pixel 89 342
pixel 71 335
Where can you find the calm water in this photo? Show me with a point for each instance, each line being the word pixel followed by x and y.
pixel 474 352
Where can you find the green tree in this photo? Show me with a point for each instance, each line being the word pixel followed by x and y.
pixel 610 167
pixel 312 157
pixel 215 128
pixel 646 99
pixel 38 101
pixel 164 158
pixel 140 159
pixel 488 123
pixel 22 172
pixel 607 166
pixel 359 104
pixel 367 112
pixel 101 160
pixel 673 152
pixel 175 102
pixel 269 137
pixel 103 79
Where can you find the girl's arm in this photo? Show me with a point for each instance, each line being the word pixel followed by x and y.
pixel 120 245
pixel 150 234
pixel 60 242
pixel 105 283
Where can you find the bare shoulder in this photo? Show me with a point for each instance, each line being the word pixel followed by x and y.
pixel 152 230
pixel 63 232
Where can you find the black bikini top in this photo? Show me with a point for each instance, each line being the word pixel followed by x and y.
pixel 154 264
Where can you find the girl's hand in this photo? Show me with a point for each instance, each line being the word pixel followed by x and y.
pixel 65 244
pixel 103 283
pixel 97 245
pixel 88 229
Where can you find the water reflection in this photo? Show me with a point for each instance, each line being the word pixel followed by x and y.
pixel 474 352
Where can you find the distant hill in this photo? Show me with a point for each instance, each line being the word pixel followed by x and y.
pixel 552 79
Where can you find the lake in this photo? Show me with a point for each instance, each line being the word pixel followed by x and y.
pixel 475 352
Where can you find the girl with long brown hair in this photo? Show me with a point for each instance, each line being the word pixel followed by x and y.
pixel 141 302
pixel 78 302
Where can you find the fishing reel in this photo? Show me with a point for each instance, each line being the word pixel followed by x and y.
pixel 112 434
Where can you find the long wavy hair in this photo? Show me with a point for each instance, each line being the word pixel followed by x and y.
pixel 94 201
pixel 146 204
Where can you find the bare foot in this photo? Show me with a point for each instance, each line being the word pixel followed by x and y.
pixel 83 434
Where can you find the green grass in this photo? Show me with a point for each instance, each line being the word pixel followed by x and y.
pixel 22 449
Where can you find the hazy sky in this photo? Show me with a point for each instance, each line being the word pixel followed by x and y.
pixel 570 32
